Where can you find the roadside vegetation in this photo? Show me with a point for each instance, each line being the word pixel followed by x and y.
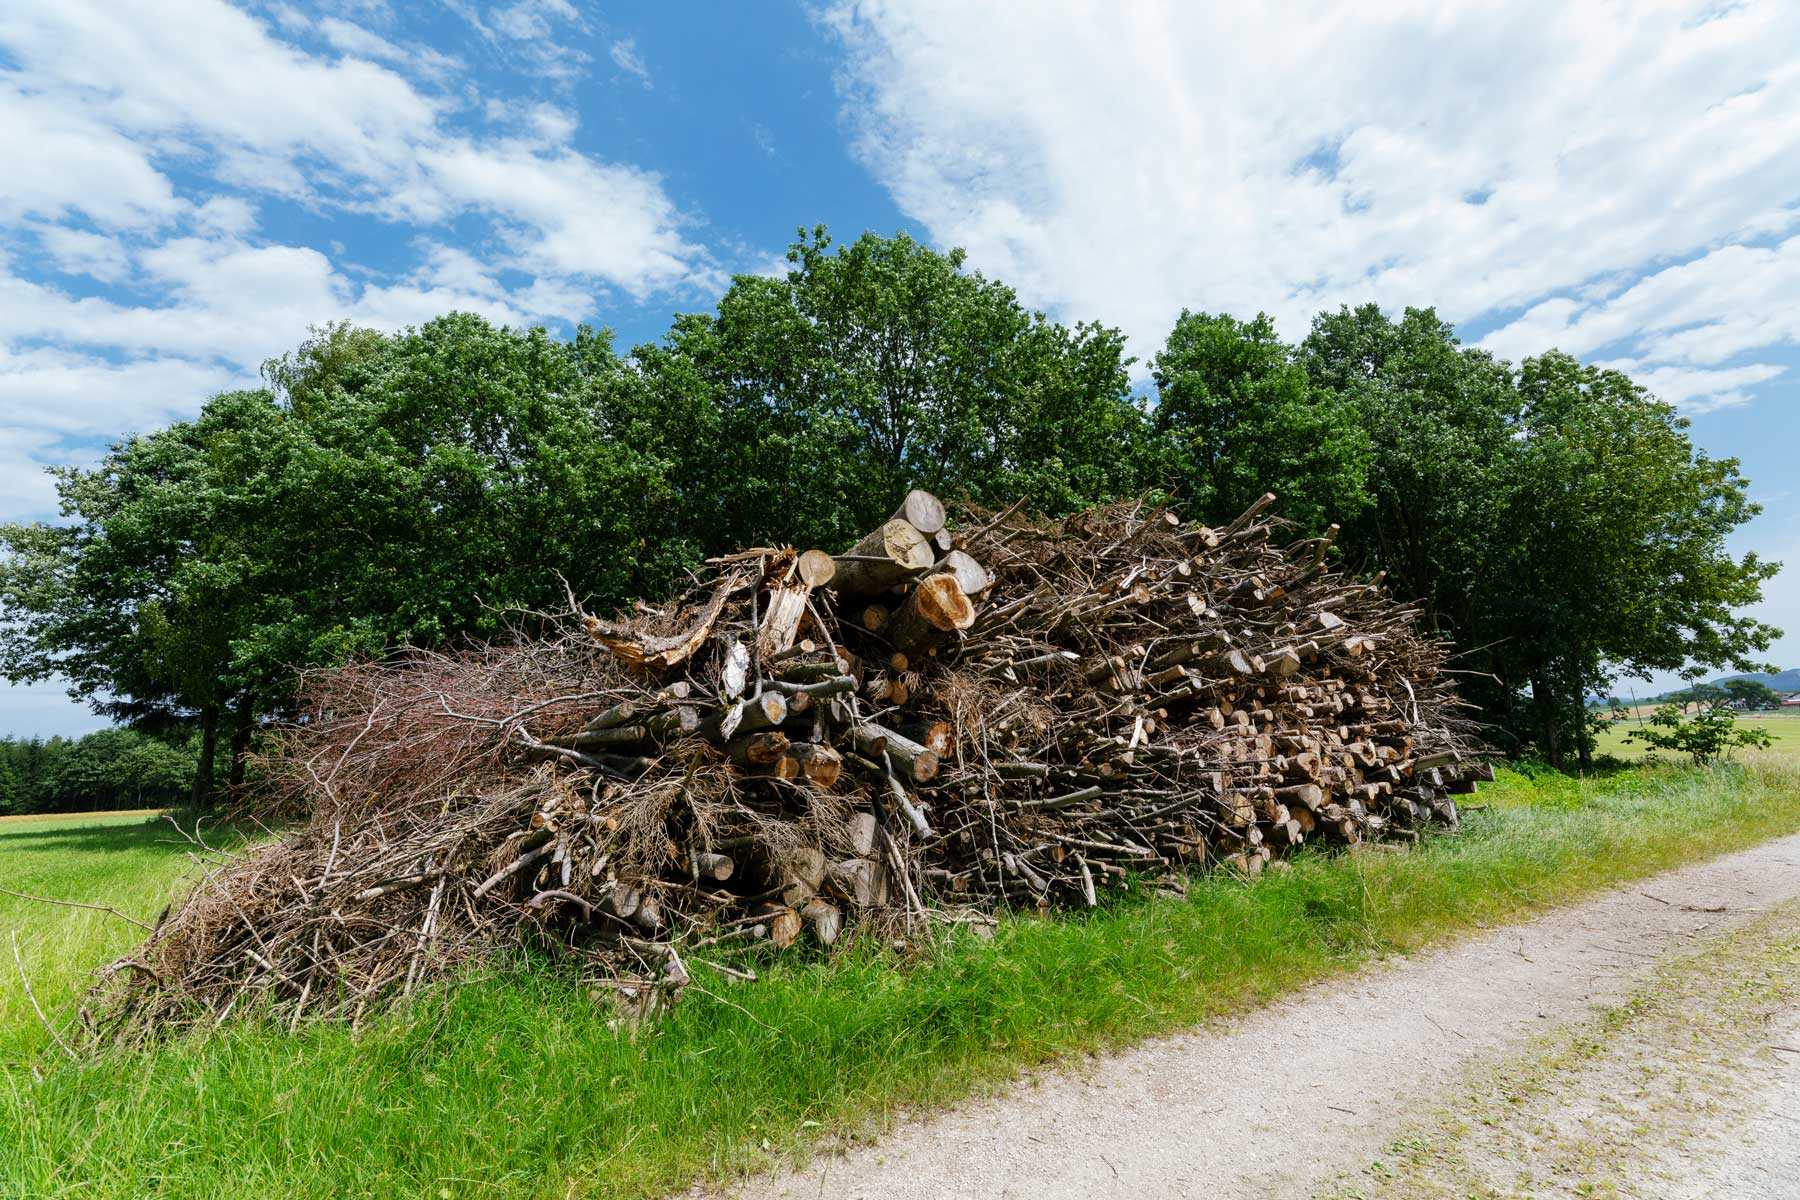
pixel 518 1085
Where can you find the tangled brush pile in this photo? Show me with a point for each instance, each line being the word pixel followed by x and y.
pixel 938 722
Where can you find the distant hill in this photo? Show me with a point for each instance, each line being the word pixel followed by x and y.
pixel 1783 682
pixel 1787 681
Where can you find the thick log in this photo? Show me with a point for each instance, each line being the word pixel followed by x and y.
pixel 971 576
pixel 860 830
pixel 821 765
pixel 936 736
pixel 784 926
pixel 717 867
pixel 759 712
pixel 895 552
pixel 680 721
pixel 912 762
pixel 785 609
pixel 826 919
pixel 935 607
pixel 805 865
pixel 922 510
pixel 861 881
pixel 758 749
pixel 816 568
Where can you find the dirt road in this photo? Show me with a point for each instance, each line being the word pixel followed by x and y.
pixel 1366 1087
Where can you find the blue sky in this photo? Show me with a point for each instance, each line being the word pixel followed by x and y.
pixel 190 185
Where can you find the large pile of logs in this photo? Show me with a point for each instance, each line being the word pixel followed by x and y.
pixel 936 722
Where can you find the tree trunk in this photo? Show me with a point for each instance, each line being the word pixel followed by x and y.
pixel 243 723
pixel 892 554
pixel 1546 706
pixel 935 607
pixel 1584 744
pixel 209 744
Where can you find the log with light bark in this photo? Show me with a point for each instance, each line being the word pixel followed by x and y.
pixel 890 555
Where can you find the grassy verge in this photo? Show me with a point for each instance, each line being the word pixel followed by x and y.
pixel 515 1086
pixel 131 861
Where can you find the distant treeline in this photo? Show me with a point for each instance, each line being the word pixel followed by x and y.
pixel 114 768
pixel 1552 517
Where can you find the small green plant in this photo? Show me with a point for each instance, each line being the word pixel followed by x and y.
pixel 1710 735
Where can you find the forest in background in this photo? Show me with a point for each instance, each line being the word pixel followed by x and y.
pixel 110 768
pixel 1552 517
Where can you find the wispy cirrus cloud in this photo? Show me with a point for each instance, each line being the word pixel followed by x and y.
pixel 1530 168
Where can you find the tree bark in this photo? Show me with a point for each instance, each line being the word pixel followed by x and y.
pixel 209 745
pixel 935 607
pixel 891 554
pixel 1546 706
pixel 242 725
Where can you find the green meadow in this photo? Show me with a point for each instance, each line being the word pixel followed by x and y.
pixel 517 1084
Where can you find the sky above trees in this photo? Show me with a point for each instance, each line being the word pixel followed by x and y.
pixel 194 184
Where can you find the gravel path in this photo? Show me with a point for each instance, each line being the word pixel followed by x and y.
pixel 1757 1157
pixel 1280 1101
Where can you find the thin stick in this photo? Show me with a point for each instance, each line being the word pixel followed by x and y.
pixel 26 984
pixel 105 908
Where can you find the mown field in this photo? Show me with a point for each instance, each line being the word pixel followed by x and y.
pixel 516 1085
pixel 1783 729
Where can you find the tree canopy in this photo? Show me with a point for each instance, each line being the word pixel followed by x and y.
pixel 806 403
pixel 1237 416
pixel 1553 518
pixel 112 768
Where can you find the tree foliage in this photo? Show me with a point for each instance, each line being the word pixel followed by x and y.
pixel 807 403
pixel 1552 518
pixel 1707 736
pixel 1752 693
pixel 1237 416
pixel 113 768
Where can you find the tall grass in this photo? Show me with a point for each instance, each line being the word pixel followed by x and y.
pixel 516 1086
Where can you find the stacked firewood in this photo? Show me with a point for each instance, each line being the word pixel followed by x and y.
pixel 938 721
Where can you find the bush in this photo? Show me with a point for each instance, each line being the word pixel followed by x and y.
pixel 1711 735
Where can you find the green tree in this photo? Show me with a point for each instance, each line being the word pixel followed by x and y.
pixel 1711 734
pixel 1439 419
pixel 807 403
pixel 1752 693
pixel 13 797
pixel 1614 550
pixel 1556 521
pixel 1239 417
pixel 384 490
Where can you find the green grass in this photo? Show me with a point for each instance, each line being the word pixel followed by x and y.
pixel 515 1086
pixel 129 861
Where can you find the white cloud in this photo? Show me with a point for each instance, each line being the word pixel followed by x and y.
pixel 1125 162
pixel 531 30
pixel 113 90
pixel 354 39
pixel 103 108
pixel 625 56
pixel 79 252
pixel 60 160
pixel 49 396
pixel 1701 389
pixel 569 215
